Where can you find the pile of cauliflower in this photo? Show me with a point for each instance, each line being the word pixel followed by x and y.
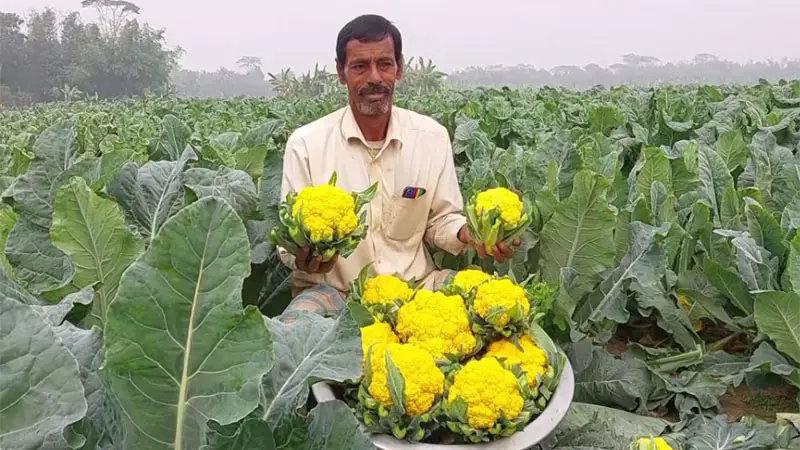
pixel 462 361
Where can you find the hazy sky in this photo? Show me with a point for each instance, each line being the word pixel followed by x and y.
pixel 456 33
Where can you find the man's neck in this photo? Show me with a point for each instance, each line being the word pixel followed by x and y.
pixel 373 128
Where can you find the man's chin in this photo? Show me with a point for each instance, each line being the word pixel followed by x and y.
pixel 373 110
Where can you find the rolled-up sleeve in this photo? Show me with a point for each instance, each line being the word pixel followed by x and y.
pixel 295 176
pixel 446 217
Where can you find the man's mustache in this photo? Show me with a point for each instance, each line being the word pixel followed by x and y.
pixel 374 89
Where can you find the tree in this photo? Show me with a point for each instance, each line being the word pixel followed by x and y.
pixel 44 60
pixel 113 14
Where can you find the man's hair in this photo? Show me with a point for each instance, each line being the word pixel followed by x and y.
pixel 368 28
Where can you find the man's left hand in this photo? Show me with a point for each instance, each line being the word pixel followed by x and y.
pixel 502 252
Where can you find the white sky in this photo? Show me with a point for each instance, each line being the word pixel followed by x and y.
pixel 456 34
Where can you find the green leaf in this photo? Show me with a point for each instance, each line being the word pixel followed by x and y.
pixel 714 177
pixel 588 426
pixel 152 193
pixel 643 268
pixel 765 229
pixel 655 168
pixel 40 383
pixel 605 119
pixel 235 186
pixel 729 284
pixel 7 220
pixel 250 434
pixel 330 425
pixel 767 360
pixel 113 161
pixel 718 434
pixel 580 234
pixel 732 148
pixel 92 231
pixel 310 349
pixel 37 264
pixel 777 314
pixel 179 348
pixel 175 135
pixel 601 379
pixel 101 427
pixel 793 265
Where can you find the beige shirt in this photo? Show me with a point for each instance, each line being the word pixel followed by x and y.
pixel 416 153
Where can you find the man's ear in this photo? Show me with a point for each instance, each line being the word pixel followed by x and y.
pixel 340 71
pixel 400 65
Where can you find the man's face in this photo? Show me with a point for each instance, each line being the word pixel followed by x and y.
pixel 370 72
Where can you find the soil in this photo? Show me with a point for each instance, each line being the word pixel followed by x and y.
pixel 762 403
pixel 738 402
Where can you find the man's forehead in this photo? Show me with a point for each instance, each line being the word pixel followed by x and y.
pixel 370 50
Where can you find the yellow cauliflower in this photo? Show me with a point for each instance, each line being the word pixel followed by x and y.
pixel 505 201
pixel 436 322
pixel 378 333
pixel 385 289
pixel 468 279
pixel 497 215
pixel 502 293
pixel 650 444
pixel 422 378
pixel 487 388
pixel 324 218
pixel 327 212
pixel 532 359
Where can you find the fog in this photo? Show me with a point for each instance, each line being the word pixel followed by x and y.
pixel 469 33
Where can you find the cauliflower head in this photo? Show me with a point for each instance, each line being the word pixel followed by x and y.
pixel 385 289
pixel 488 389
pixel 502 293
pixel 422 378
pixel 657 443
pixel 380 334
pixel 532 359
pixel 506 202
pixel 436 322
pixel 328 212
pixel 469 279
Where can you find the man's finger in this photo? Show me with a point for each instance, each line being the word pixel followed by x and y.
pixel 313 264
pixel 480 248
pixel 516 242
pixel 301 260
pixel 326 266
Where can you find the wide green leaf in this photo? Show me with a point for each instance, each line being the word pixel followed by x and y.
pixel 179 348
pixel 580 234
pixel 175 135
pixel 92 231
pixel 777 314
pixel 152 193
pixel 235 186
pixel 40 385
pixel 309 349
pixel 714 178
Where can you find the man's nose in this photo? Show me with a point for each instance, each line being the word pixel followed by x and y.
pixel 374 74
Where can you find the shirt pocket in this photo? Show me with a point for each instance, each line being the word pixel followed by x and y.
pixel 403 218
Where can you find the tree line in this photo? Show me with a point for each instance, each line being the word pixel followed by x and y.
pixel 635 70
pixel 46 58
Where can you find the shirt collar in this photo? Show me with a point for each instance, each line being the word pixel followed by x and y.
pixel 350 129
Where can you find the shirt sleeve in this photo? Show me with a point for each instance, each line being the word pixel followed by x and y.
pixel 296 176
pixel 446 217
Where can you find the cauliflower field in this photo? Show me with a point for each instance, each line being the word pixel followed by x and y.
pixel 138 280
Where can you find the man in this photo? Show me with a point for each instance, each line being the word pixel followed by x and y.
pixel 370 140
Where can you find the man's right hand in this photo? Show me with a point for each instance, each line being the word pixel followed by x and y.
pixel 313 264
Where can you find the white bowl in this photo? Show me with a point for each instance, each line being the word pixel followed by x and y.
pixel 536 431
